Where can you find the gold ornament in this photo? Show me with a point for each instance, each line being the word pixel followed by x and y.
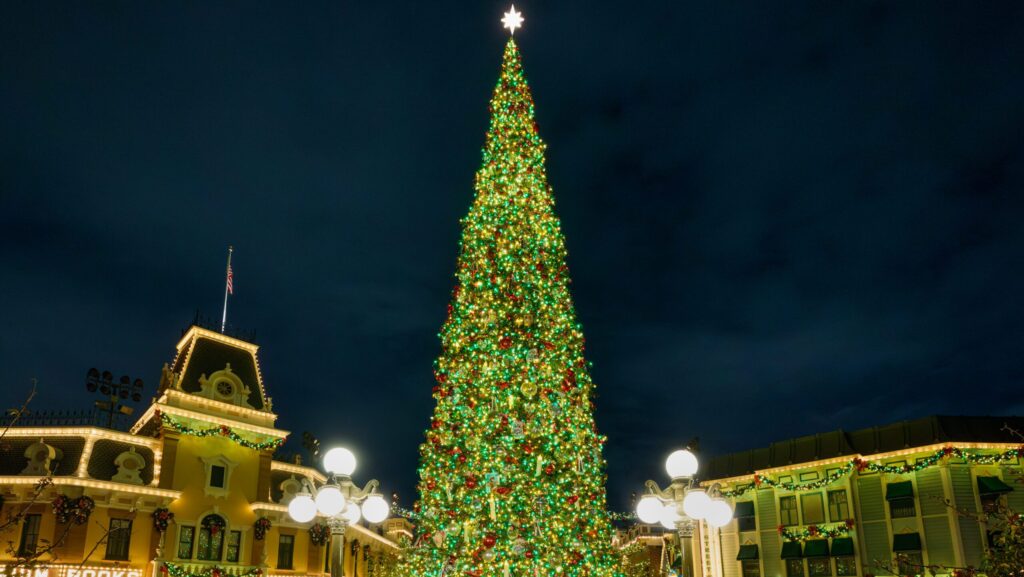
pixel 529 389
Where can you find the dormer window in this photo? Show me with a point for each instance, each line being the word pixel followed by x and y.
pixel 218 475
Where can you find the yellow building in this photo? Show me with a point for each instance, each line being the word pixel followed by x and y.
pixel 203 452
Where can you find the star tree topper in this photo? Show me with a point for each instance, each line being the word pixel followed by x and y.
pixel 512 19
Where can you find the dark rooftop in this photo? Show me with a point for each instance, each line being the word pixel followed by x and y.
pixel 883 439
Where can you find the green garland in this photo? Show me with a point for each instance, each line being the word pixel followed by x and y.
pixel 221 431
pixel 816 532
pixel 861 465
pixel 178 571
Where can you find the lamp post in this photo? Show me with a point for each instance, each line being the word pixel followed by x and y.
pixel 340 501
pixel 683 504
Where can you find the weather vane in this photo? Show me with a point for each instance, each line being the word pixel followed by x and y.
pixel 512 19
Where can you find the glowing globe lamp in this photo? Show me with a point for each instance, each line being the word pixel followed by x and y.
pixel 375 509
pixel 696 503
pixel 669 516
pixel 719 513
pixel 648 509
pixel 340 461
pixel 329 500
pixel 302 508
pixel 352 513
pixel 681 463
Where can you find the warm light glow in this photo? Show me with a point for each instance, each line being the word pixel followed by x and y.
pixel 329 500
pixel 719 513
pixel 375 509
pixel 681 463
pixel 669 516
pixel 648 509
pixel 302 508
pixel 696 504
pixel 340 461
pixel 352 513
pixel 512 19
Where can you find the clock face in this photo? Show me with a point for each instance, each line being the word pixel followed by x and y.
pixel 225 389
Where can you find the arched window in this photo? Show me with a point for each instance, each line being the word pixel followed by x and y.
pixel 211 538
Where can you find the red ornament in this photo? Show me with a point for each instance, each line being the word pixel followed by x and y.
pixel 505 343
pixel 550 469
pixel 471 482
pixel 529 554
pixel 503 490
pixel 572 500
pixel 431 484
pixel 490 539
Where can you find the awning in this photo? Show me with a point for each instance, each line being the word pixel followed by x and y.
pixel 791 550
pixel 744 509
pixel 901 490
pixel 816 548
pixel 991 486
pixel 906 542
pixel 747 553
pixel 842 547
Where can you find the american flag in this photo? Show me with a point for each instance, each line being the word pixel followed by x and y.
pixel 231 284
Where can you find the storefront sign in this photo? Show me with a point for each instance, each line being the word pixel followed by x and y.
pixel 69 571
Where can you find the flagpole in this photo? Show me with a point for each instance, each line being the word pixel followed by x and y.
pixel 224 317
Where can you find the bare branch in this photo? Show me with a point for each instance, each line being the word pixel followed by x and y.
pixel 17 413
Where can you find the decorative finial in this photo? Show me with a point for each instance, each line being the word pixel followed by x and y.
pixel 512 19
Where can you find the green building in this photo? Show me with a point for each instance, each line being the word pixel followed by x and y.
pixel 845 504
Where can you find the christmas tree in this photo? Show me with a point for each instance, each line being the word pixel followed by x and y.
pixel 511 472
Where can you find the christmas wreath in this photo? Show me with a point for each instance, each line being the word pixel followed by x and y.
pixel 260 528
pixel 214 523
pixel 162 517
pixel 319 534
pixel 73 509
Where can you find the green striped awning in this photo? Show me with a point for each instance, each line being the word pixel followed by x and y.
pixel 747 553
pixel 816 548
pixel 901 490
pixel 842 547
pixel 906 542
pixel 791 550
pixel 992 486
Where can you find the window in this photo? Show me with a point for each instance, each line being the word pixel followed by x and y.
pixel 751 568
pixel 234 545
pixel 991 503
pixel 814 510
pixel 285 545
pixel 29 536
pixel 794 568
pixel 217 476
pixel 899 508
pixel 211 539
pixel 787 511
pixel 745 516
pixel 119 538
pixel 186 534
pixel 838 507
pixel 819 567
pixel 910 562
pixel 846 566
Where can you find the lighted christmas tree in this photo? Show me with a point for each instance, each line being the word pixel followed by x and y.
pixel 511 472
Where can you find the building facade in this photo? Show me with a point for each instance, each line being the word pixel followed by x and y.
pixel 846 504
pixel 192 490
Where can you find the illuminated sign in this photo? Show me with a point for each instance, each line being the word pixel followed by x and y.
pixel 69 571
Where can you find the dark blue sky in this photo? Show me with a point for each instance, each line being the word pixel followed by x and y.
pixel 782 218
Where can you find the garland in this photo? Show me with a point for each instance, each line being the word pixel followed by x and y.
pixel 162 517
pixel 178 571
pixel 319 534
pixel 816 532
pixel 260 528
pixel 222 431
pixel 73 510
pixel 861 465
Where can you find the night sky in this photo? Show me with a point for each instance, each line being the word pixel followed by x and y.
pixel 782 218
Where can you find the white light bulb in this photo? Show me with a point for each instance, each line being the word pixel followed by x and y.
pixel 375 509
pixel 648 509
pixel 696 503
pixel 669 516
pixel 302 508
pixel 329 500
pixel 352 513
pixel 719 513
pixel 340 461
pixel 681 463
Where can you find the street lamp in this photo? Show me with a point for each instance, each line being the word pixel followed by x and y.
pixel 340 501
pixel 683 503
